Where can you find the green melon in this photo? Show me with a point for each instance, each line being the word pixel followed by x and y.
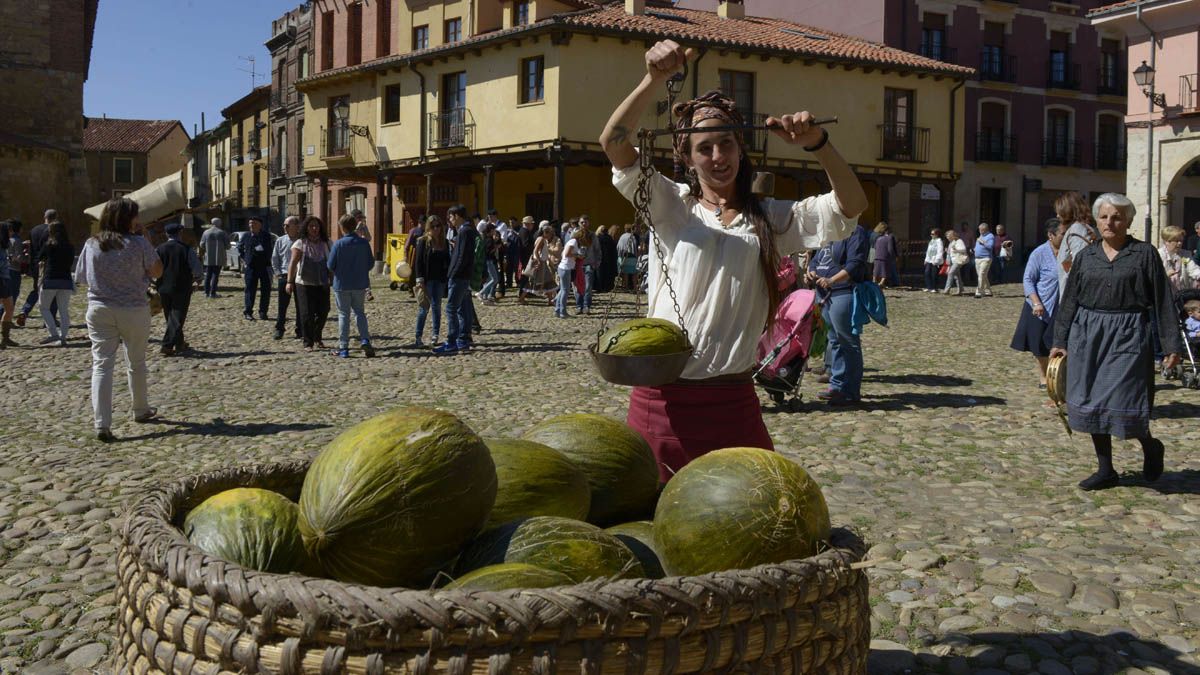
pixel 620 468
pixel 391 500
pixel 639 537
pixel 250 527
pixel 643 337
pixel 509 575
pixel 580 551
pixel 535 480
pixel 737 508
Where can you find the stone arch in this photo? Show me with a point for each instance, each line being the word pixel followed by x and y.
pixel 1179 195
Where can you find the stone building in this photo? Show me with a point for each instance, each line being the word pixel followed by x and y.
pixel 1045 113
pixel 46 47
pixel 291 59
pixel 249 153
pixel 1163 179
pixel 124 155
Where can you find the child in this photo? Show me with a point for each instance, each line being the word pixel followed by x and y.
pixel 1192 323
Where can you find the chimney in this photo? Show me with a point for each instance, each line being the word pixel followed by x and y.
pixel 635 7
pixel 731 9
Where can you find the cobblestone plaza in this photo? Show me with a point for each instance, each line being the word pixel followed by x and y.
pixel 990 560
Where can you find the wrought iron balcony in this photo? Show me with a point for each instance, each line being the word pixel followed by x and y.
pixel 940 53
pixel 277 169
pixel 335 141
pixel 235 150
pixel 1189 93
pixel 997 67
pixel 451 129
pixel 1060 152
pixel 1062 75
pixel 279 100
pixel 1110 82
pixel 903 143
pixel 251 197
pixel 1110 157
pixel 991 146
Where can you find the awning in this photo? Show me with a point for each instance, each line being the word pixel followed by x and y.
pixel 155 200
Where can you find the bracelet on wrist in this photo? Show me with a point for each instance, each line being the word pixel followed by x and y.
pixel 820 144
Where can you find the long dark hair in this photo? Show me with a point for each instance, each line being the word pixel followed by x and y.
pixel 57 235
pixel 116 223
pixel 752 209
pixel 323 236
pixel 5 235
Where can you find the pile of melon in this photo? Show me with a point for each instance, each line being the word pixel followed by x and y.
pixel 413 498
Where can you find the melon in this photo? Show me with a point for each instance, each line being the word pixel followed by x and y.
pixel 509 575
pixel 580 551
pixel 535 480
pixel 738 508
pixel 621 472
pixel 391 500
pixel 250 527
pixel 643 337
pixel 639 537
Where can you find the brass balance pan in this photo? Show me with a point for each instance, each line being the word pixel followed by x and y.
pixel 640 371
pixel 1056 379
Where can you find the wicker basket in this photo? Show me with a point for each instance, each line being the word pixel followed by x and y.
pixel 182 611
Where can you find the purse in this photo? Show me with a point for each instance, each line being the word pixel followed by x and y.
pixel 944 269
pixel 422 297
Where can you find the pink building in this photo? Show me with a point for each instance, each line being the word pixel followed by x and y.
pixel 1045 114
pixel 1163 117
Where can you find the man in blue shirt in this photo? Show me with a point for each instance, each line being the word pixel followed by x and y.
pixel 983 260
pixel 350 262
pixel 834 271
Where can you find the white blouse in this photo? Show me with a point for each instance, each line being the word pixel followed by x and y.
pixel 715 270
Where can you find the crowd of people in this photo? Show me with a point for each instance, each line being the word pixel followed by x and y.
pixel 950 255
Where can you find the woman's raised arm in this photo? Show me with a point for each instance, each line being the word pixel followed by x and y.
pixel 662 61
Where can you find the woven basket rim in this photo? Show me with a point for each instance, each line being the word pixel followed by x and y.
pixel 150 537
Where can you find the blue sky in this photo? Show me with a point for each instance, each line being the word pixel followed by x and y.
pixel 173 59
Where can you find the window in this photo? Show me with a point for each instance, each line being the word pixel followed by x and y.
pixel 299 147
pixel 383 28
pixel 1059 150
pixel 302 62
pixel 123 171
pixel 740 87
pixel 1110 67
pixel 1060 67
pixel 533 79
pixel 338 143
pixel 452 129
pixel 897 140
pixel 354 35
pixel 992 64
pixel 933 37
pixel 354 199
pixel 521 13
pixel 453 30
pixel 993 144
pixel 326 40
pixel 1110 150
pixel 391 103
pixel 420 37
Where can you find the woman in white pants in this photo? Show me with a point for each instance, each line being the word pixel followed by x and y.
pixel 117 265
pixel 56 259
pixel 956 251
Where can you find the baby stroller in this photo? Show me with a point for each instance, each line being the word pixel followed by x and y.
pixel 783 350
pixel 1186 372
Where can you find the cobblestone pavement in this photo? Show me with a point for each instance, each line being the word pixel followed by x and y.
pixel 990 560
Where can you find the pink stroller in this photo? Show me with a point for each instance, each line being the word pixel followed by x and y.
pixel 783 350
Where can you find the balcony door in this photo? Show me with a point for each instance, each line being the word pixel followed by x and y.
pixel 1109 146
pixel 993 132
pixel 897 123
pixel 1058 137
pixel 739 86
pixel 453 109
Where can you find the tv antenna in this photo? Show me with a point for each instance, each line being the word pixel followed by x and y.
pixel 254 74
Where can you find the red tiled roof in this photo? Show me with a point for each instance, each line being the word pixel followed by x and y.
pixel 753 32
pixel 113 135
pixel 1116 5
pixel 695 27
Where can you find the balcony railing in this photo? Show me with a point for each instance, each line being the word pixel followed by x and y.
pixel 903 143
pixel 335 141
pixel 1060 152
pixel 277 168
pixel 1062 75
pixel 997 67
pixel 1189 93
pixel 1110 157
pixel 451 129
pixel 1111 82
pixel 279 99
pixel 235 150
pixel 251 197
pixel 940 53
pixel 995 147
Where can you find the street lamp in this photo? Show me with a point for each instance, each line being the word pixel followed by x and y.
pixel 341 112
pixel 1143 75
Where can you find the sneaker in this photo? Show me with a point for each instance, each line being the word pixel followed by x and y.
pixel 248 316
pixel 62 342
pixel 343 353
pixel 978 296
pixel 105 436
pixel 436 339
pixel 368 349
pixel 150 414
pixel 262 316
pixel 464 346
pixel 447 348
pixel 278 335
pixel 47 340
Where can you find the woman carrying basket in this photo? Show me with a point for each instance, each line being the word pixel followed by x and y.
pixel 721 246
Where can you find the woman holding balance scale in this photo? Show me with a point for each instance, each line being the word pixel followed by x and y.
pixel 721 246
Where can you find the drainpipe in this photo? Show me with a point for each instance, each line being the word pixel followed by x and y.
pixel 953 115
pixel 695 77
pixel 421 77
pixel 1149 132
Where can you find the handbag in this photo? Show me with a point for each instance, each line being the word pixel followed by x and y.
pixel 944 269
pixel 422 297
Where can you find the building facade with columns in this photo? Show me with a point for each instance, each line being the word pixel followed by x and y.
pixel 504 109
pixel 1163 118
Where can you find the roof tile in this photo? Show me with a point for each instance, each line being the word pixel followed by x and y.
pixel 104 134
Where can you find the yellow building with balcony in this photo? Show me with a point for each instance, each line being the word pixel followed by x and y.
pixel 249 148
pixel 508 115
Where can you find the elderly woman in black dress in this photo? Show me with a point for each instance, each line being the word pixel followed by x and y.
pixel 1115 290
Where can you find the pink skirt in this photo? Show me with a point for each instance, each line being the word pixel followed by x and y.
pixel 682 421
